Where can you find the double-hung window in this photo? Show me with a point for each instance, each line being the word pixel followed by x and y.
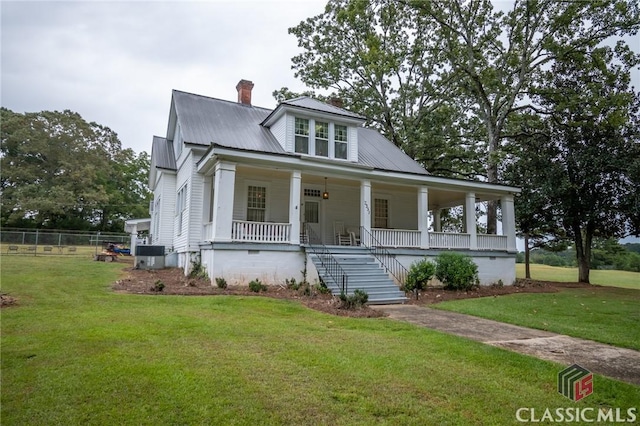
pixel 302 135
pixel 322 139
pixel 340 138
pixel 256 203
pixel 381 213
pixel 181 206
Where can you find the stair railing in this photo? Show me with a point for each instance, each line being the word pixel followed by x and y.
pixel 330 264
pixel 386 259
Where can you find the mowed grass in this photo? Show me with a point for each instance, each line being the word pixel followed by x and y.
pixel 605 314
pixel 74 352
pixel 614 278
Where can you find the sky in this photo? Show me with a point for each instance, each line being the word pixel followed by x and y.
pixel 116 62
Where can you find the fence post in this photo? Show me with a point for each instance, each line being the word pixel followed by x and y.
pixel 36 250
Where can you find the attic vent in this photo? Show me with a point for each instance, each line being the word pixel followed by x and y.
pixel 312 193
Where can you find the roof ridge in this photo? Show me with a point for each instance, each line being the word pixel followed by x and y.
pixel 221 100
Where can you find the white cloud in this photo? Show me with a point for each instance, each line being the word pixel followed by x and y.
pixel 116 62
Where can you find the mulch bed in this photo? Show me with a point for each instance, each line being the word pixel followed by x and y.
pixel 140 281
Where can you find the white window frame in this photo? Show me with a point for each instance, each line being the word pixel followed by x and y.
pixel 267 193
pixel 375 216
pixel 345 142
pixel 181 205
pixel 316 123
pixel 296 134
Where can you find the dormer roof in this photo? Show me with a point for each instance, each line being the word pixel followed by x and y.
pixel 312 106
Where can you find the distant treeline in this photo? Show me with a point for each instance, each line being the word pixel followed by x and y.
pixel 607 254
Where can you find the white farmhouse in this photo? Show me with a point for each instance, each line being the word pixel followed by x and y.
pixel 306 189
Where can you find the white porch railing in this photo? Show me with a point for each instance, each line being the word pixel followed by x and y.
pixel 260 232
pixel 492 242
pixel 449 240
pixel 396 237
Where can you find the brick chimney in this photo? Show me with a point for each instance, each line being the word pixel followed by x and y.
pixel 336 102
pixel 244 92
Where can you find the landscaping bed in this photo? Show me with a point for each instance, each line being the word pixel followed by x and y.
pixel 175 282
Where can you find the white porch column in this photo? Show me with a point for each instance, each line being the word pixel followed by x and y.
pixel 470 219
pixel 509 222
pixel 225 180
pixel 134 240
pixel 423 216
pixel 365 207
pixel 294 206
pixel 437 223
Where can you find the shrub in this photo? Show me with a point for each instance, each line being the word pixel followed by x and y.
pixel 321 287
pixel 197 269
pixel 221 282
pixel 358 299
pixel 256 286
pixel 420 273
pixel 292 284
pixel 158 286
pixel 456 271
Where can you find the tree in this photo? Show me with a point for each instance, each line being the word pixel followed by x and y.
pixel 381 59
pixel 59 171
pixel 592 136
pixel 494 59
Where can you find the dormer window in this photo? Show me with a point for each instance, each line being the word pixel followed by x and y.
pixel 322 139
pixel 340 138
pixel 302 135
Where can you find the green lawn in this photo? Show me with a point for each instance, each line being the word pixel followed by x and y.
pixel 73 352
pixel 623 279
pixel 604 314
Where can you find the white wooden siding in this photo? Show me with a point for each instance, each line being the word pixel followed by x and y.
pixel 277 196
pixel 166 191
pixel 279 129
pixel 195 206
pixel 289 130
pixel 343 205
pixel 352 133
pixel 185 173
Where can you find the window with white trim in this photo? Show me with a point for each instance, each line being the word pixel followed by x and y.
pixel 340 141
pixel 322 139
pixel 302 136
pixel 381 213
pixel 181 206
pixel 256 203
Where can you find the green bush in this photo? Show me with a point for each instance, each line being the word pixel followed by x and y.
pixel 256 286
pixel 420 273
pixel 292 284
pixel 221 282
pixel 198 270
pixel 358 299
pixel 158 286
pixel 456 271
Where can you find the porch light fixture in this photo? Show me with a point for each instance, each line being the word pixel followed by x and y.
pixel 325 194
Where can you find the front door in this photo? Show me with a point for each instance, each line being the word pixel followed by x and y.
pixel 312 217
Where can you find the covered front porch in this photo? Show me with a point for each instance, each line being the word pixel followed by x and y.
pixel 271 205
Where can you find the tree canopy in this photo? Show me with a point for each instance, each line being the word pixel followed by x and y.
pixel 59 171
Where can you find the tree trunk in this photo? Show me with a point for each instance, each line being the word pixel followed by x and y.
pixel 527 268
pixel 583 255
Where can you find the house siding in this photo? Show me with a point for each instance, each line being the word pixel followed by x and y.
pixel 185 172
pixel 166 192
pixel 279 130
pixel 352 135
pixel 277 196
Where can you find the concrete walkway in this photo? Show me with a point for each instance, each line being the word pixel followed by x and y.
pixel 618 363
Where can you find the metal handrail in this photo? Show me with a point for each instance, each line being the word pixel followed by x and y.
pixel 327 260
pixel 386 259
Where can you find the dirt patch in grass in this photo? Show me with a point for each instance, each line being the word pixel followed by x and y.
pixel 6 300
pixel 174 282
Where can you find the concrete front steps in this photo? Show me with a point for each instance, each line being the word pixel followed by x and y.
pixel 364 273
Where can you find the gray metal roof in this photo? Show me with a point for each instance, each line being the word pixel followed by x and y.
pixel 162 153
pixel 380 153
pixel 315 105
pixel 205 120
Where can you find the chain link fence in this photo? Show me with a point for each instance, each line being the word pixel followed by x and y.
pixel 36 242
